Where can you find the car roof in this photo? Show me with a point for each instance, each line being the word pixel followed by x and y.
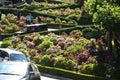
pixel 10 51
pixel 16 63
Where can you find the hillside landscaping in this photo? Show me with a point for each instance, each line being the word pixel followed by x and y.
pixel 86 47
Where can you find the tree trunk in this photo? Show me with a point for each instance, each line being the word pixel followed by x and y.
pixel 116 46
pixel 115 49
pixel 109 41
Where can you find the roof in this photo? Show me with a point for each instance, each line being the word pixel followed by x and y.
pixel 10 51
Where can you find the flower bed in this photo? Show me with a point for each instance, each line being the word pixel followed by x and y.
pixel 68 13
pixel 70 52
pixel 10 24
pixel 36 5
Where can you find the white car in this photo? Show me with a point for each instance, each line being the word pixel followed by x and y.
pixel 17 70
pixel 12 55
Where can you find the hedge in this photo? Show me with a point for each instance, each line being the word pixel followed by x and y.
pixel 72 6
pixel 69 74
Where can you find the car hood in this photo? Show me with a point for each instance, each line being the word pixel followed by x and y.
pixel 10 77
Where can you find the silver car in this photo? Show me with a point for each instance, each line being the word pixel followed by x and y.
pixel 12 55
pixel 17 70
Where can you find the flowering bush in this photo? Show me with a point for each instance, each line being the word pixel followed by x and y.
pixel 60 51
pixel 82 57
pixel 95 69
pixel 54 40
pixel 37 40
pixel 76 34
pixel 10 24
pixel 27 38
pixel 47 60
pixel 11 18
pixel 64 12
pixel 61 62
pixel 45 45
pixel 53 50
pixel 87 68
pixel 12 28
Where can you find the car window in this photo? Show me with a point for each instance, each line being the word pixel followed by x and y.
pixel 3 54
pixel 17 57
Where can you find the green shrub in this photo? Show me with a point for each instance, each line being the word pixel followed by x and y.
pixel 47 60
pixel 83 42
pixel 70 22
pixel 60 62
pixel 64 22
pixel 52 22
pixel 15 39
pixel 5 44
pixel 87 68
pixel 58 21
pixel 99 70
pixel 70 64
pixel 1 30
pixel 37 59
pixel 45 45
pixel 49 20
pixel 75 49
pixel 37 40
pixel 11 18
pixel 54 40
pixel 76 34
pixel 11 28
pixel 25 51
pixel 4 21
pixel 93 68
pixel 74 17
pixel 91 33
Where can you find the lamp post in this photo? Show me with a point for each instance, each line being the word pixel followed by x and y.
pixel 60 27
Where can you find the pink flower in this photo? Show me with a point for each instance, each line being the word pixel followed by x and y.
pixel 60 39
pixel 83 63
pixel 30 44
pixel 83 55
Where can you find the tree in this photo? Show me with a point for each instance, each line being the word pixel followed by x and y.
pixel 107 14
pixel 109 17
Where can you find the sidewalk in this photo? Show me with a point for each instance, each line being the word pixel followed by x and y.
pixel 55 77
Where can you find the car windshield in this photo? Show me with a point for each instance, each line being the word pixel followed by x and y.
pixel 13 69
pixel 17 57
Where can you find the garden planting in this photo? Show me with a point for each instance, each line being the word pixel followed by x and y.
pixel 43 5
pixel 90 50
pixel 10 24
pixel 71 52
pixel 64 12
